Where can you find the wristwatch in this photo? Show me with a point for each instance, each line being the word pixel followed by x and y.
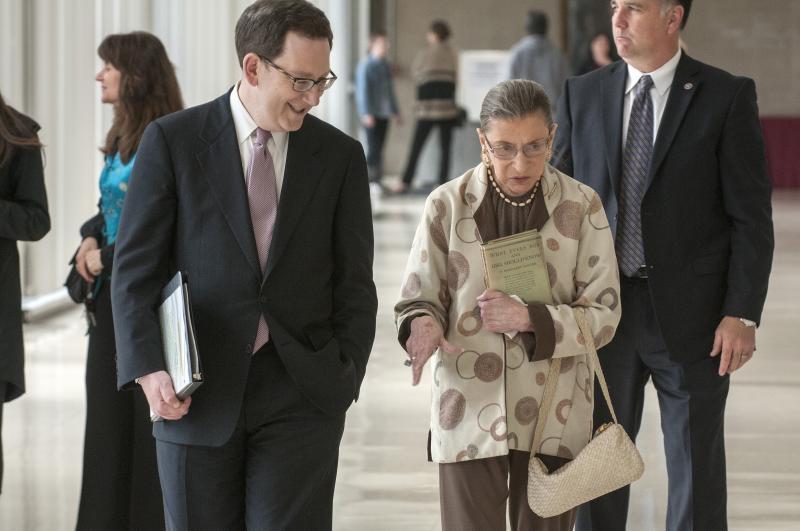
pixel 747 322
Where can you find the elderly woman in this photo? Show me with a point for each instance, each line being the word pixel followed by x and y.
pixel 490 352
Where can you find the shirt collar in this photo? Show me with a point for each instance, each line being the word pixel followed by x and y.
pixel 662 77
pixel 246 126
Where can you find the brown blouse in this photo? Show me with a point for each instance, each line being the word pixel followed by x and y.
pixel 496 218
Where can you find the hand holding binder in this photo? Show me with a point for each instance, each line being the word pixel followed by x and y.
pixel 164 403
pixel 183 372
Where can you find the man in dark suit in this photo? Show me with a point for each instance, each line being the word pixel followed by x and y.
pixel 266 209
pixel 674 148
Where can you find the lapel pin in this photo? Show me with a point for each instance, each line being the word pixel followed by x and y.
pixel 688 86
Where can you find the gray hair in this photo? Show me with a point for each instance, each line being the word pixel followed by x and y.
pixel 515 98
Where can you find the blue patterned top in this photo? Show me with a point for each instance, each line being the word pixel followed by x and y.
pixel 113 187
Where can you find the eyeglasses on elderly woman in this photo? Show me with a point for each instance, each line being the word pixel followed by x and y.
pixel 506 151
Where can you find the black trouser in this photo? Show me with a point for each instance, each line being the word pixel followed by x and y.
pixel 120 488
pixel 376 137
pixel 277 471
pixel 691 399
pixel 421 132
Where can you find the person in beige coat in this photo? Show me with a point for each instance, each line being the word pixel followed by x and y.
pixel 490 353
pixel 434 71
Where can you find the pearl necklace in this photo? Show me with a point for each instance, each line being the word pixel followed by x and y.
pixel 503 196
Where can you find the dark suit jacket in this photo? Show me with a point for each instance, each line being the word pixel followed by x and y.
pixel 186 209
pixel 706 214
pixel 23 216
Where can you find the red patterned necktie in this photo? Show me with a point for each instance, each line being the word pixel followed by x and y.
pixel 262 195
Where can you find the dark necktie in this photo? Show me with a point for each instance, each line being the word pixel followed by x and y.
pixel 262 195
pixel 635 168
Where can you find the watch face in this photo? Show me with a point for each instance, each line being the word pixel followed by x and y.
pixel 747 322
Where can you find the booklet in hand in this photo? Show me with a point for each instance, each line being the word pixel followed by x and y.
pixel 181 359
pixel 516 265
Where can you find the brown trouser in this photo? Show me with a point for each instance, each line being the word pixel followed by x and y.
pixel 473 496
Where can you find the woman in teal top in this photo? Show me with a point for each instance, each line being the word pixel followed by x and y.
pixel 113 185
pixel 103 226
pixel 120 488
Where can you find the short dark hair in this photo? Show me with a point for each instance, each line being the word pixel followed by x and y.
pixel 536 23
pixel 263 26
pixel 687 6
pixel 440 29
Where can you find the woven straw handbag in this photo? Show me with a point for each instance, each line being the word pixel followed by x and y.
pixel 610 460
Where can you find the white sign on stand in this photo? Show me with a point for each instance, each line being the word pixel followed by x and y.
pixel 479 71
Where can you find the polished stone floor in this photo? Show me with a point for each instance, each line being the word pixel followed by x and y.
pixel 384 481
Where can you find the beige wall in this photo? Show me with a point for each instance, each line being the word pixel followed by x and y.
pixel 755 39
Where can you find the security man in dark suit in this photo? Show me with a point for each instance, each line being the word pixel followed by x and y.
pixel 674 148
pixel 267 211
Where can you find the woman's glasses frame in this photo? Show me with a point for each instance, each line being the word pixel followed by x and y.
pixel 504 151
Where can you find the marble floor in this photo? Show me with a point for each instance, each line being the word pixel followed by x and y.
pixel 385 483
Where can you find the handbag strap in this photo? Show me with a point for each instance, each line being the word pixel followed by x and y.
pixel 552 379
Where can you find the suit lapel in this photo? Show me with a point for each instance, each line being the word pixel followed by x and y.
pixel 684 86
pixel 613 94
pixel 300 179
pixel 222 167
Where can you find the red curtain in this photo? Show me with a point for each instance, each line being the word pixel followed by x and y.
pixel 782 139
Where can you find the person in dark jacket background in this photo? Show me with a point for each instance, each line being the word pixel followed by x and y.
pixel 23 217
pixel 536 58
pixel 120 487
pixel 376 102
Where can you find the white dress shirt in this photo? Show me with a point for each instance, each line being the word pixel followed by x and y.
pixel 278 144
pixel 662 81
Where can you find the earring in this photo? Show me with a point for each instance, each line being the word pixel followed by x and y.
pixel 548 154
pixel 485 158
